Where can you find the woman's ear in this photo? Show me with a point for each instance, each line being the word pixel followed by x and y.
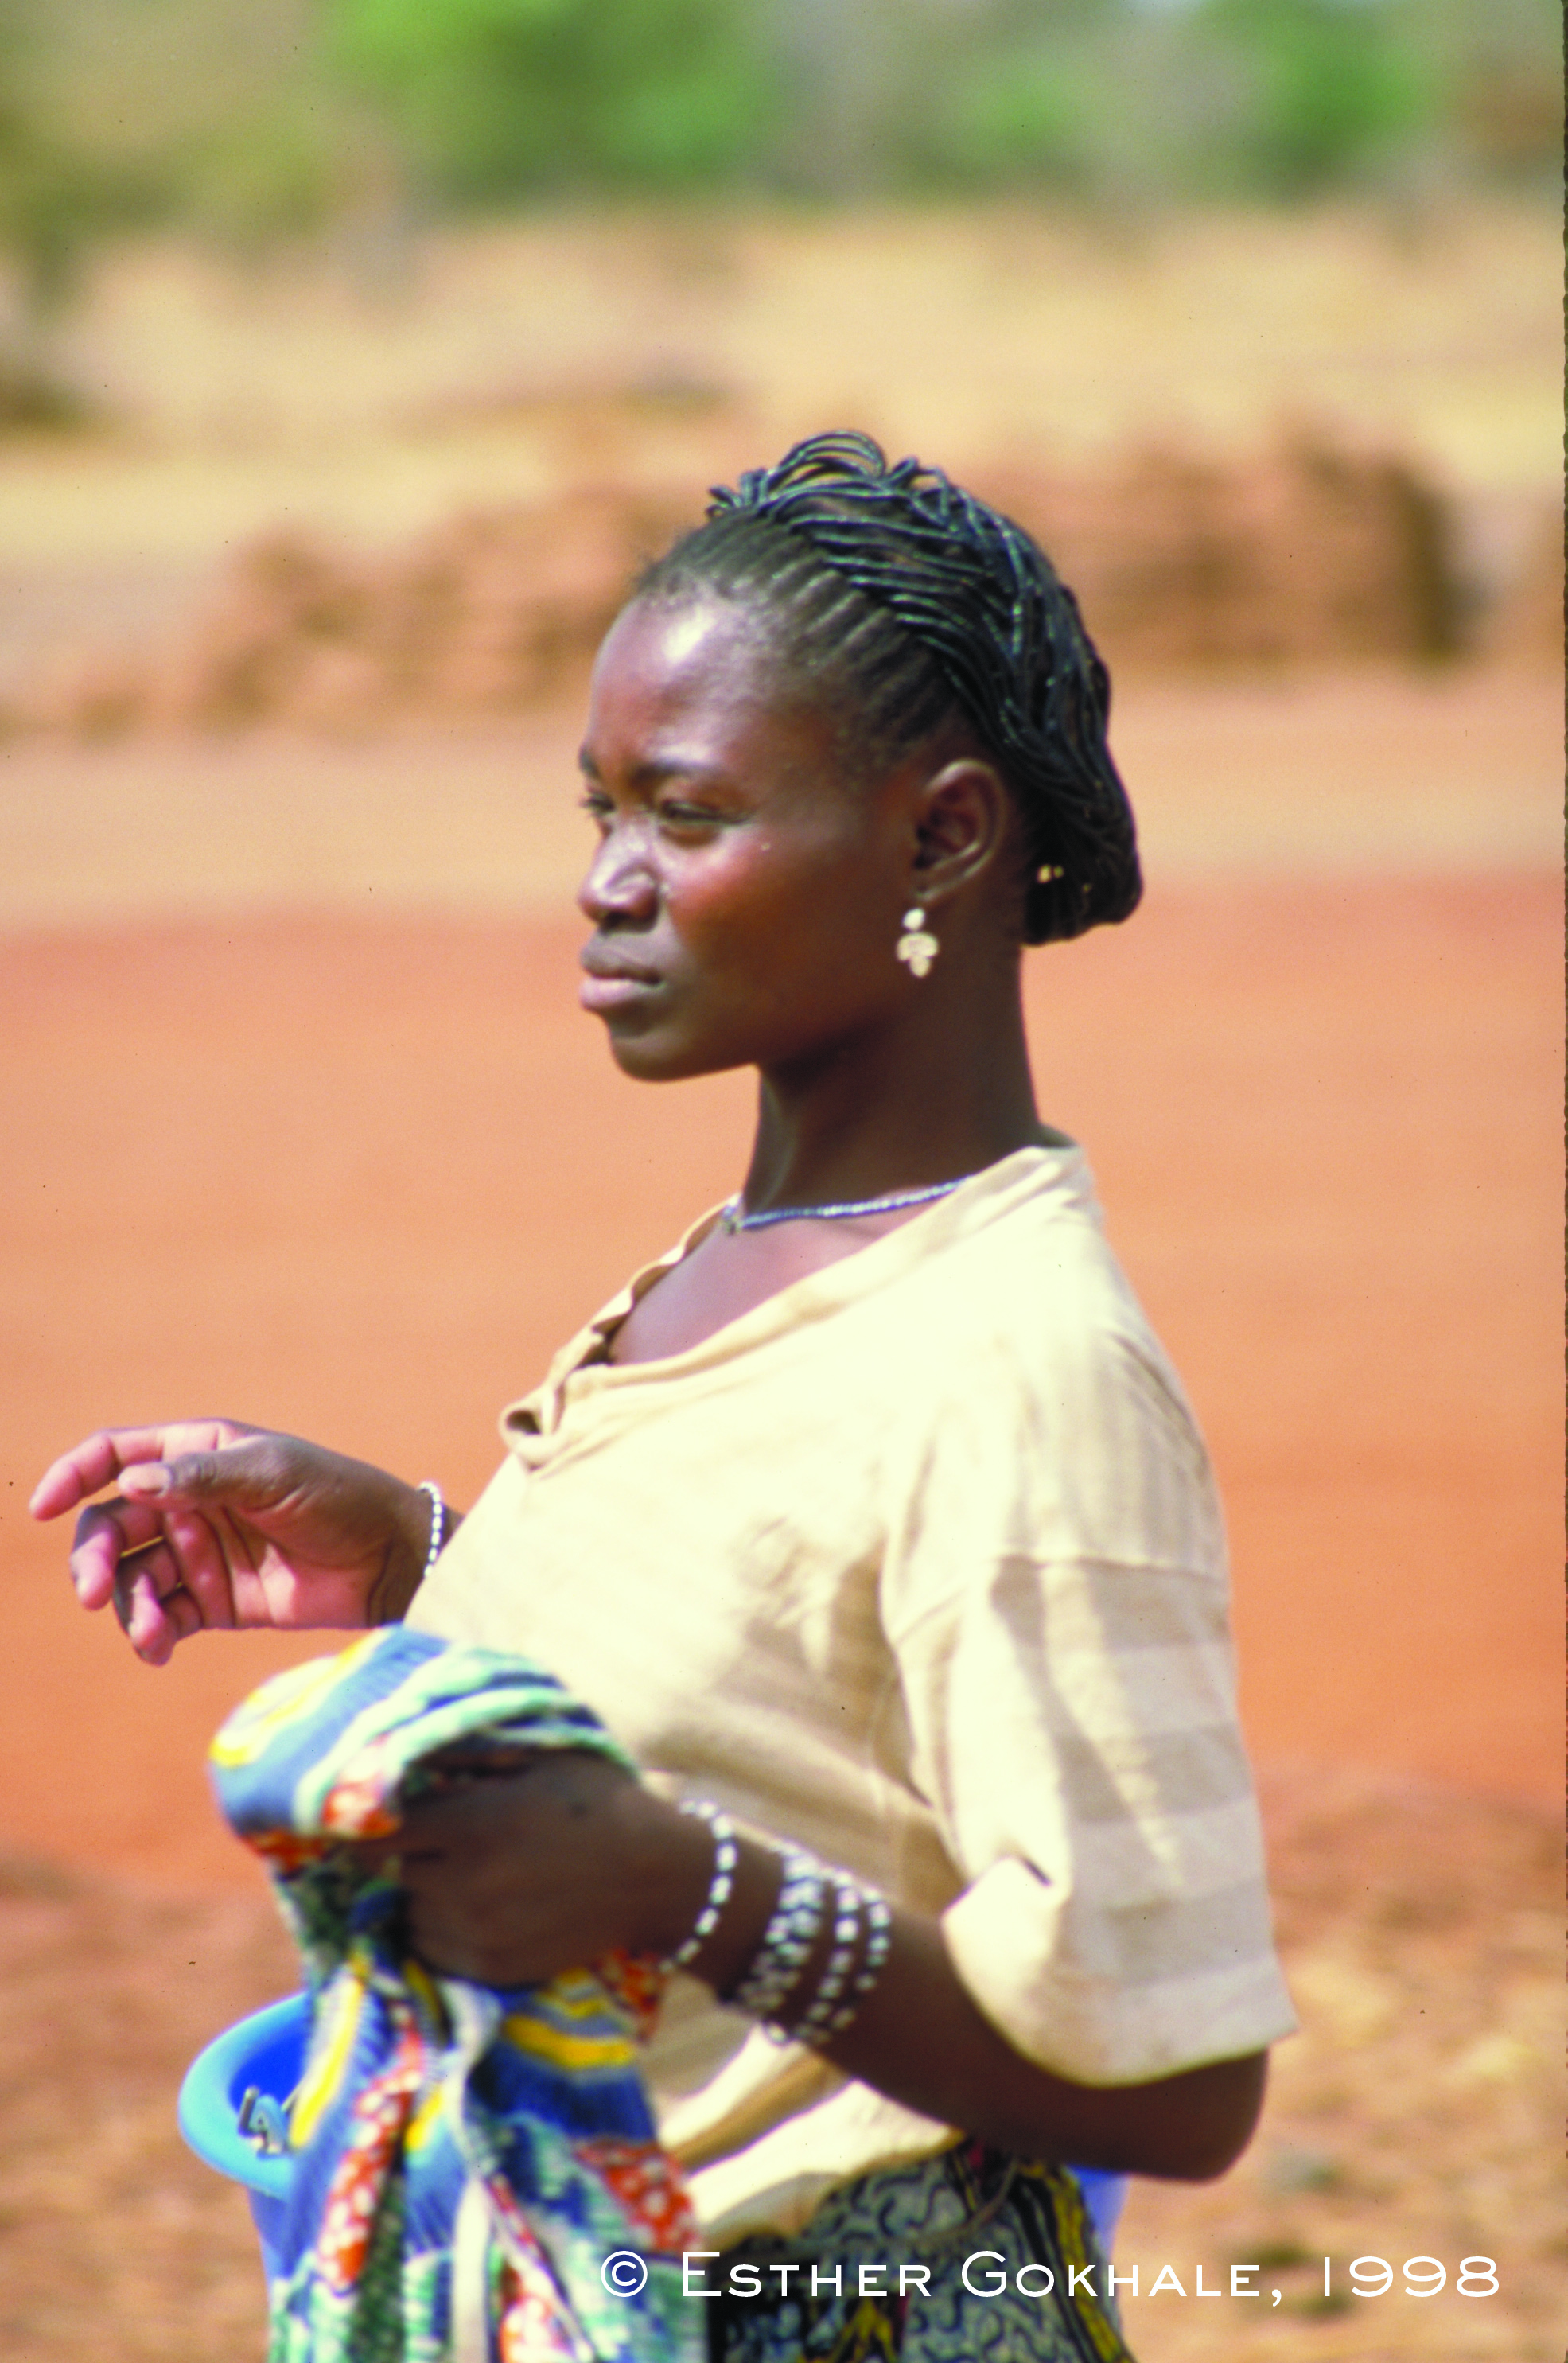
pixel 961 825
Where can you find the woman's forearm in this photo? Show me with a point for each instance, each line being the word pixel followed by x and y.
pixel 511 1879
pixel 920 2038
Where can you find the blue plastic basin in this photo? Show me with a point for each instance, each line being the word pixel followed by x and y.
pixel 267 2051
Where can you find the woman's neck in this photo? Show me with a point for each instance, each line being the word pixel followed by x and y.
pixel 910 1109
pixel 913 1107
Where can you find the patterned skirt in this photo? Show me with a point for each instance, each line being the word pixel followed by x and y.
pixel 970 2256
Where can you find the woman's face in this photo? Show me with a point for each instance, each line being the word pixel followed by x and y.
pixel 745 896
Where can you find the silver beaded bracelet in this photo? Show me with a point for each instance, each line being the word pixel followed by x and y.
pixel 437 1522
pixel 790 1938
pixel 879 1924
pixel 725 1856
pixel 822 2021
pixel 819 2020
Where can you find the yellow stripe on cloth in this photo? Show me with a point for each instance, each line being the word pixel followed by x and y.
pixel 540 2040
pixel 285 1696
pixel 345 2002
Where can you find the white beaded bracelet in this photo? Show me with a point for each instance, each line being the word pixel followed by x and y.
pixel 437 1522
pixel 725 1856
pixel 827 2016
pixel 822 2019
pixel 879 1920
pixel 788 1941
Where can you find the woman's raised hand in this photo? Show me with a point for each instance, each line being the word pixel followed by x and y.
pixel 218 1525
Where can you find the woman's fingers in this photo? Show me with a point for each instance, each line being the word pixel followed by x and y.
pixel 159 1505
pixel 113 1452
pixel 107 1534
pixel 244 1474
pixel 148 1605
pixel 164 1565
pixel 153 1603
pixel 88 1467
pixel 211 1557
pixel 208 1503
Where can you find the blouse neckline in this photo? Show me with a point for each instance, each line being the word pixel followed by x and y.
pixel 979 1198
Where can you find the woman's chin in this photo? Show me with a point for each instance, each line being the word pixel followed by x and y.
pixel 653 1055
pixel 648 1056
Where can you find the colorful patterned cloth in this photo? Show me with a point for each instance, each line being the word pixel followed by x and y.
pixel 997 2257
pixel 467 2160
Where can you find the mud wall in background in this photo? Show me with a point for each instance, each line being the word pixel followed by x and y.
pixel 1315 553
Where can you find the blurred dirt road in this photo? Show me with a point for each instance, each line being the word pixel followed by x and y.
pixel 356 1175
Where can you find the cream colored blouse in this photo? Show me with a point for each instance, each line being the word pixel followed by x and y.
pixel 918 1563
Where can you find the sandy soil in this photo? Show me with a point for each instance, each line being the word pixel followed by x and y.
pixel 1418 2116
pixel 492 365
pixel 358 1178
pixel 591 339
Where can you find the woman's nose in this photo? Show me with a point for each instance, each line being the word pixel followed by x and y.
pixel 620 882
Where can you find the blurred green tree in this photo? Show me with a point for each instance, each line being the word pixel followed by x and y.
pixel 53 189
pixel 115 112
pixel 500 99
pixel 1326 88
pixel 121 114
pixel 254 121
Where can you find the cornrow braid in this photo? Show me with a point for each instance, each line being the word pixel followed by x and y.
pixel 905 597
pixel 818 625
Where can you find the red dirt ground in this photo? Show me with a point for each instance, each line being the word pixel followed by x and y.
pixel 358 1179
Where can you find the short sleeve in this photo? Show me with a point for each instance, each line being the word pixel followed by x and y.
pixel 1057 1605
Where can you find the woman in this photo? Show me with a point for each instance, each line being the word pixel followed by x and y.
pixel 873 1512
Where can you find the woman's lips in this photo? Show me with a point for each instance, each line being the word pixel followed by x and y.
pixel 613 985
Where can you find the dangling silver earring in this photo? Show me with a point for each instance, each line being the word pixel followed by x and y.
pixel 917 947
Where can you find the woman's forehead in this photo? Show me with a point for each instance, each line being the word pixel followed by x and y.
pixel 699 669
pixel 687 654
pixel 693 631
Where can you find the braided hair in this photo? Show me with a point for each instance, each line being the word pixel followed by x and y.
pixel 907 601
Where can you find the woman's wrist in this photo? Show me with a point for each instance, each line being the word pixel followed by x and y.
pixel 798 1946
pixel 729 1952
pixel 670 1859
pixel 420 1524
pixel 721 1886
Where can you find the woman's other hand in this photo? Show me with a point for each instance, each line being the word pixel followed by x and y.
pixel 513 1876
pixel 217 1525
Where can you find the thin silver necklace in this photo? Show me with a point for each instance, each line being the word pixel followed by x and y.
pixel 733 1217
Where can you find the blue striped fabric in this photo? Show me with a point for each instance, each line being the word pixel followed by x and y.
pixel 466 2159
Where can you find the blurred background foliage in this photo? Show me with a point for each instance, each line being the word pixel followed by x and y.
pixel 259 121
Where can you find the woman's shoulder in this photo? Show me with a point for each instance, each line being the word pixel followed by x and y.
pixel 1023 1255
pixel 1033 1337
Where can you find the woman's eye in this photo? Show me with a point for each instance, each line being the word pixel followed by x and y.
pixel 675 812
pixel 682 815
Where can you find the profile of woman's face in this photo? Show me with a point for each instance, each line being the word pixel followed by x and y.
pixel 745 896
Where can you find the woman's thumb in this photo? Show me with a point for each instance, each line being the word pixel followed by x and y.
pixel 149 1480
pixel 193 1477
